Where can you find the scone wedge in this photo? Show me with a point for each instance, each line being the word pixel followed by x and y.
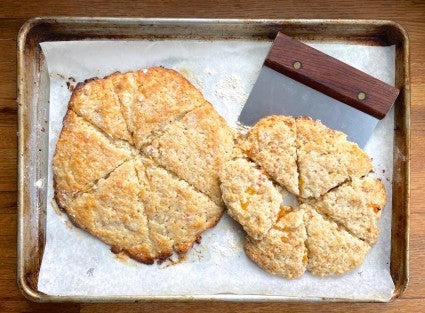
pixel 331 249
pixel 83 156
pixel 96 101
pixel 356 205
pixel 162 96
pixel 177 213
pixel 271 144
pixel 113 212
pixel 251 198
pixel 282 251
pixel 195 148
pixel 326 158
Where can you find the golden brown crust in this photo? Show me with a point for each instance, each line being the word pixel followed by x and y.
pixel 251 198
pixel 325 158
pixel 125 87
pixel 282 251
pixel 177 213
pixel 83 155
pixel 195 148
pixel 162 96
pixel 97 102
pixel 146 213
pixel 331 249
pixel 113 212
pixel 271 144
pixel 356 205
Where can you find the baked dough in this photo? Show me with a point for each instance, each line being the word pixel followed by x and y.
pixel 326 158
pixel 271 144
pixel 177 212
pixel 250 197
pixel 331 249
pixel 153 98
pixel 113 212
pixel 83 156
pixel 195 149
pixel 96 101
pixel 357 205
pixel 282 251
pixel 331 232
pixel 130 200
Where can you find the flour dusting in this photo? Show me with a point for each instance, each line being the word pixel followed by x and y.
pixel 230 90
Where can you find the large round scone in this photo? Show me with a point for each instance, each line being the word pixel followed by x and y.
pixel 137 162
pixel 332 230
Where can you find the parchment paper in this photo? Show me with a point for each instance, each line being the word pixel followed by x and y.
pixel 75 263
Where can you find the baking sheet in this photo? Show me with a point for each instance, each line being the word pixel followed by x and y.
pixel 74 263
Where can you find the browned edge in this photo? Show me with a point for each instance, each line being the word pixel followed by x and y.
pixel 31 217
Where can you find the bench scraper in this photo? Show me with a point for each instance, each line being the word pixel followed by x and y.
pixel 298 80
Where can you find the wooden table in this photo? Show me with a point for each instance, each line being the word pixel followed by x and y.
pixel 410 14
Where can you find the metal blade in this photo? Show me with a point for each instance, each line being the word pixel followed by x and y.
pixel 275 94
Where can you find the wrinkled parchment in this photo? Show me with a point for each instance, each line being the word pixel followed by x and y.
pixel 75 263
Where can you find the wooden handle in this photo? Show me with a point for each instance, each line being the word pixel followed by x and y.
pixel 330 76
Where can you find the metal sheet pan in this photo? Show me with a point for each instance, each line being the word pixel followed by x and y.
pixel 33 97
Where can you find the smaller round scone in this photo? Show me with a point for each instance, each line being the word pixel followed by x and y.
pixel 250 197
pixel 332 230
pixel 282 250
pixel 331 249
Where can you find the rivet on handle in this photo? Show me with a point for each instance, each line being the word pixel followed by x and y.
pixel 297 65
pixel 361 96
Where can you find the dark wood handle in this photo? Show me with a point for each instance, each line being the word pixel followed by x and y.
pixel 330 76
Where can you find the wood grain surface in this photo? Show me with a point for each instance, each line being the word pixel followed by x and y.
pixel 410 14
